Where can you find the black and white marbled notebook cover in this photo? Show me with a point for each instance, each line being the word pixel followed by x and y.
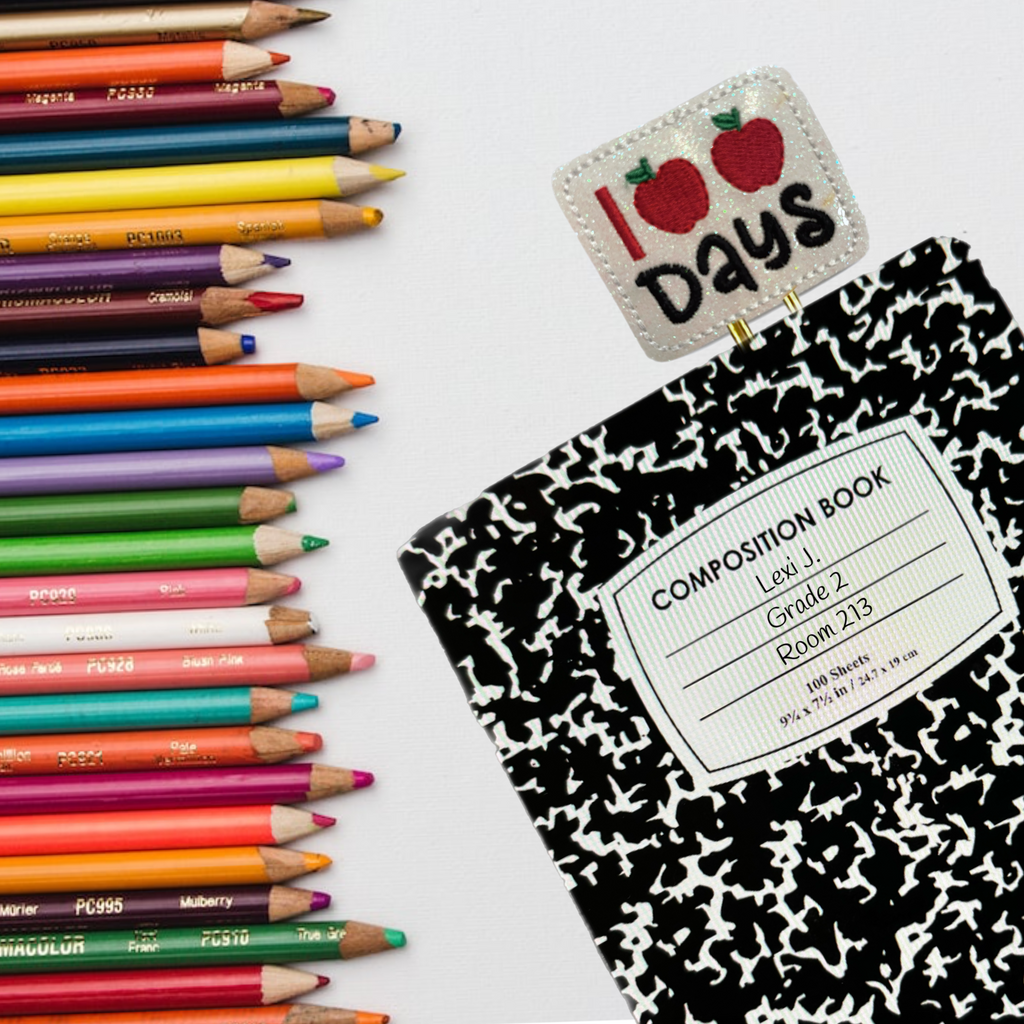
pixel 876 878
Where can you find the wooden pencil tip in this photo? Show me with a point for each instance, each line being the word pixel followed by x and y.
pixel 329 95
pixel 372 216
pixel 310 742
pixel 278 58
pixel 304 16
pixel 385 173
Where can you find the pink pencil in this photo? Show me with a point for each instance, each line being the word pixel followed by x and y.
pixel 142 591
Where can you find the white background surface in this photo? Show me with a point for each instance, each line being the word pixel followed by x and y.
pixel 493 340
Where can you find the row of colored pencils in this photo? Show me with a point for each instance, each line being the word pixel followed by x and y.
pixel 149 798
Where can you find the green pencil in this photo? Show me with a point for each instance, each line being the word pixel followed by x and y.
pixel 209 548
pixel 194 947
pixel 203 507
pixel 147 709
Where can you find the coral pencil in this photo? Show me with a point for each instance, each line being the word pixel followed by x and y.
pixel 190 266
pixel 154 990
pixel 208 787
pixel 134 65
pixel 206 548
pixel 205 346
pixel 70 754
pixel 244 181
pixel 141 510
pixel 133 312
pixel 164 829
pixel 142 591
pixel 152 470
pixel 191 22
pixel 126 631
pixel 155 869
pixel 156 389
pixel 134 106
pixel 283 1013
pixel 186 947
pixel 210 426
pixel 176 669
pixel 147 709
pixel 214 224
pixel 173 908
pixel 35 153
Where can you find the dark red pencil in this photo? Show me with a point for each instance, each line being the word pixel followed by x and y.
pixel 130 106
pixel 134 311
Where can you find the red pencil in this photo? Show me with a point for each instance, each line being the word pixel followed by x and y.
pixel 168 989
pixel 138 312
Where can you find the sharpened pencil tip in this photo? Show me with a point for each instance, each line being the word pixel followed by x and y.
pixel 310 742
pixel 321 462
pixel 372 216
pixel 385 173
pixel 362 419
pixel 355 380
pixel 304 16
pixel 360 780
pixel 304 701
pixel 398 129
pixel 248 344
pixel 361 661
pixel 293 587
pixel 313 543
pixel 395 939
pixel 278 58
pixel 320 901
pixel 275 302
pixel 276 261
pixel 322 980
pixel 329 95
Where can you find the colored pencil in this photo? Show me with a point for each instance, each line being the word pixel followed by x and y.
pixel 134 65
pixel 243 181
pixel 126 312
pixel 70 754
pixel 282 1013
pixel 208 548
pixel 178 828
pixel 152 470
pixel 128 106
pixel 235 905
pixel 141 510
pixel 215 224
pixel 156 389
pixel 192 266
pixel 139 631
pixel 98 149
pixel 193 22
pixel 176 669
pixel 142 591
pixel 211 426
pixel 205 346
pixel 283 942
pixel 152 790
pixel 155 869
pixel 148 709
pixel 154 990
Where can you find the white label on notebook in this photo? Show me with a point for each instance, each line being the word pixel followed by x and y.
pixel 808 602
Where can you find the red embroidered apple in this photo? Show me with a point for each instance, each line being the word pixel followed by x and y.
pixel 749 157
pixel 673 198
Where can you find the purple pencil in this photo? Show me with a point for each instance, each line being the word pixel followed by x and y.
pixel 196 787
pixel 191 266
pixel 263 465
pixel 169 908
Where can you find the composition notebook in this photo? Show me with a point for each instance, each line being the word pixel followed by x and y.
pixel 749 652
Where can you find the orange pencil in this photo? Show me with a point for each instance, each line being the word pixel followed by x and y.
pixel 147 750
pixel 155 869
pixel 182 386
pixel 179 828
pixel 152 64
pixel 230 223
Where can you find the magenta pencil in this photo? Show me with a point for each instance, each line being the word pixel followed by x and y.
pixel 142 591
pixel 168 790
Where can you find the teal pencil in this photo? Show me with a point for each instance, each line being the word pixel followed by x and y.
pixel 147 709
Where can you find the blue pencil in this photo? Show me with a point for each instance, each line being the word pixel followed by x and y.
pixel 214 426
pixel 38 153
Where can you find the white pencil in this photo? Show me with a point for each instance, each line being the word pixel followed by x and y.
pixel 148 631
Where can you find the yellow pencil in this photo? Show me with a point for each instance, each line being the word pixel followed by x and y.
pixel 246 181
